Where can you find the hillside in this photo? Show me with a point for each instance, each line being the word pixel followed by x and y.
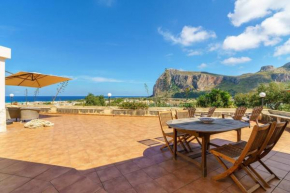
pixel 173 83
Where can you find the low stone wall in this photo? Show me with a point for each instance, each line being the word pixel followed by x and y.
pixel 152 111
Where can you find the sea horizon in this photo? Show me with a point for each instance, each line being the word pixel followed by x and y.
pixel 50 98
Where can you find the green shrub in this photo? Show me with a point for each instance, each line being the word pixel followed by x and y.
pixel 216 98
pixel 92 100
pixel 116 102
pixel 133 105
pixel 276 95
pixel 188 105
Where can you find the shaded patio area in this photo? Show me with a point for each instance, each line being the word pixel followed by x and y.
pixel 87 153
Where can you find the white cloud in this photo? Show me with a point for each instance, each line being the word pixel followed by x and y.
pixel 102 79
pixel 283 49
pixel 98 79
pixel 193 52
pixel 247 10
pixel 202 66
pixel 213 47
pixel 233 61
pixel 188 36
pixel 267 32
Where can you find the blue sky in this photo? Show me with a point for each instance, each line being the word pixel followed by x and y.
pixel 118 45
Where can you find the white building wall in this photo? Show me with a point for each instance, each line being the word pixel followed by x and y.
pixel 5 53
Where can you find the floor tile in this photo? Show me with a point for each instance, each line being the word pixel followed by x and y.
pixel 33 186
pixel 128 167
pixel 155 171
pixel 149 187
pixel 138 177
pixel 33 170
pixel 170 182
pixel 285 185
pixel 11 183
pixel 119 184
pixel 52 173
pixel 108 173
pixel 66 179
pixel 84 185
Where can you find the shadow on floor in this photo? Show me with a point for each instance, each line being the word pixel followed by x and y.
pixel 155 171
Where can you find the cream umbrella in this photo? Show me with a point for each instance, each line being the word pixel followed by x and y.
pixel 33 79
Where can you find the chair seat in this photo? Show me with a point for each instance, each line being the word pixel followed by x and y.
pixel 240 144
pixel 171 134
pixel 229 151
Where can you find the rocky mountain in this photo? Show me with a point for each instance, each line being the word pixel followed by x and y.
pixel 173 83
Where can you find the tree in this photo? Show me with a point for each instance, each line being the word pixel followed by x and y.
pixel 216 98
pixel 275 96
pixel 92 100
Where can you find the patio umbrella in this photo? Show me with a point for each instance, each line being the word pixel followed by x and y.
pixel 33 79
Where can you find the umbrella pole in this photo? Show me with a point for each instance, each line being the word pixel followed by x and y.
pixel 5 53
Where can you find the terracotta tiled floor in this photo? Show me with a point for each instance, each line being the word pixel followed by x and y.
pixel 84 153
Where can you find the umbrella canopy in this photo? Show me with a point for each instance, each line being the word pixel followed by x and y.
pixel 33 79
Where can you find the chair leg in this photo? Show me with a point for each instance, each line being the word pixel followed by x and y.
pixel 182 144
pixel 229 172
pixel 252 176
pixel 269 170
pixel 259 176
pixel 167 145
pixel 187 142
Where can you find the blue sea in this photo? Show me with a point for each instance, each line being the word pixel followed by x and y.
pixel 50 98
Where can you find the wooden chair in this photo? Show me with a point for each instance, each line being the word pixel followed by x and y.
pixel 239 114
pixel 276 132
pixel 238 157
pixel 166 132
pixel 254 115
pixel 209 113
pixel 240 111
pixel 191 111
pixel 181 114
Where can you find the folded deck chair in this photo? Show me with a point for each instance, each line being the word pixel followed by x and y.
pixel 276 132
pixel 238 157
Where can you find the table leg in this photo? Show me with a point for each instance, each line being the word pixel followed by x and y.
pixel 205 145
pixel 239 133
pixel 174 143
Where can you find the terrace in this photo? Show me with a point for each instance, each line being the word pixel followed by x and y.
pixel 89 153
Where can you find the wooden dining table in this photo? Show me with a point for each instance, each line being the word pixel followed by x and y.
pixel 193 126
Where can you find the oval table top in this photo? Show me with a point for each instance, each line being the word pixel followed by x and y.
pixel 219 125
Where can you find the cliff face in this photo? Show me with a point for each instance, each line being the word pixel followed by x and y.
pixel 174 81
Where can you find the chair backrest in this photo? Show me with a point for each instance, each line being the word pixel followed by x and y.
pixel 276 134
pixel 181 114
pixel 240 111
pixel 255 113
pixel 163 118
pixel 256 142
pixel 191 111
pixel 211 111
